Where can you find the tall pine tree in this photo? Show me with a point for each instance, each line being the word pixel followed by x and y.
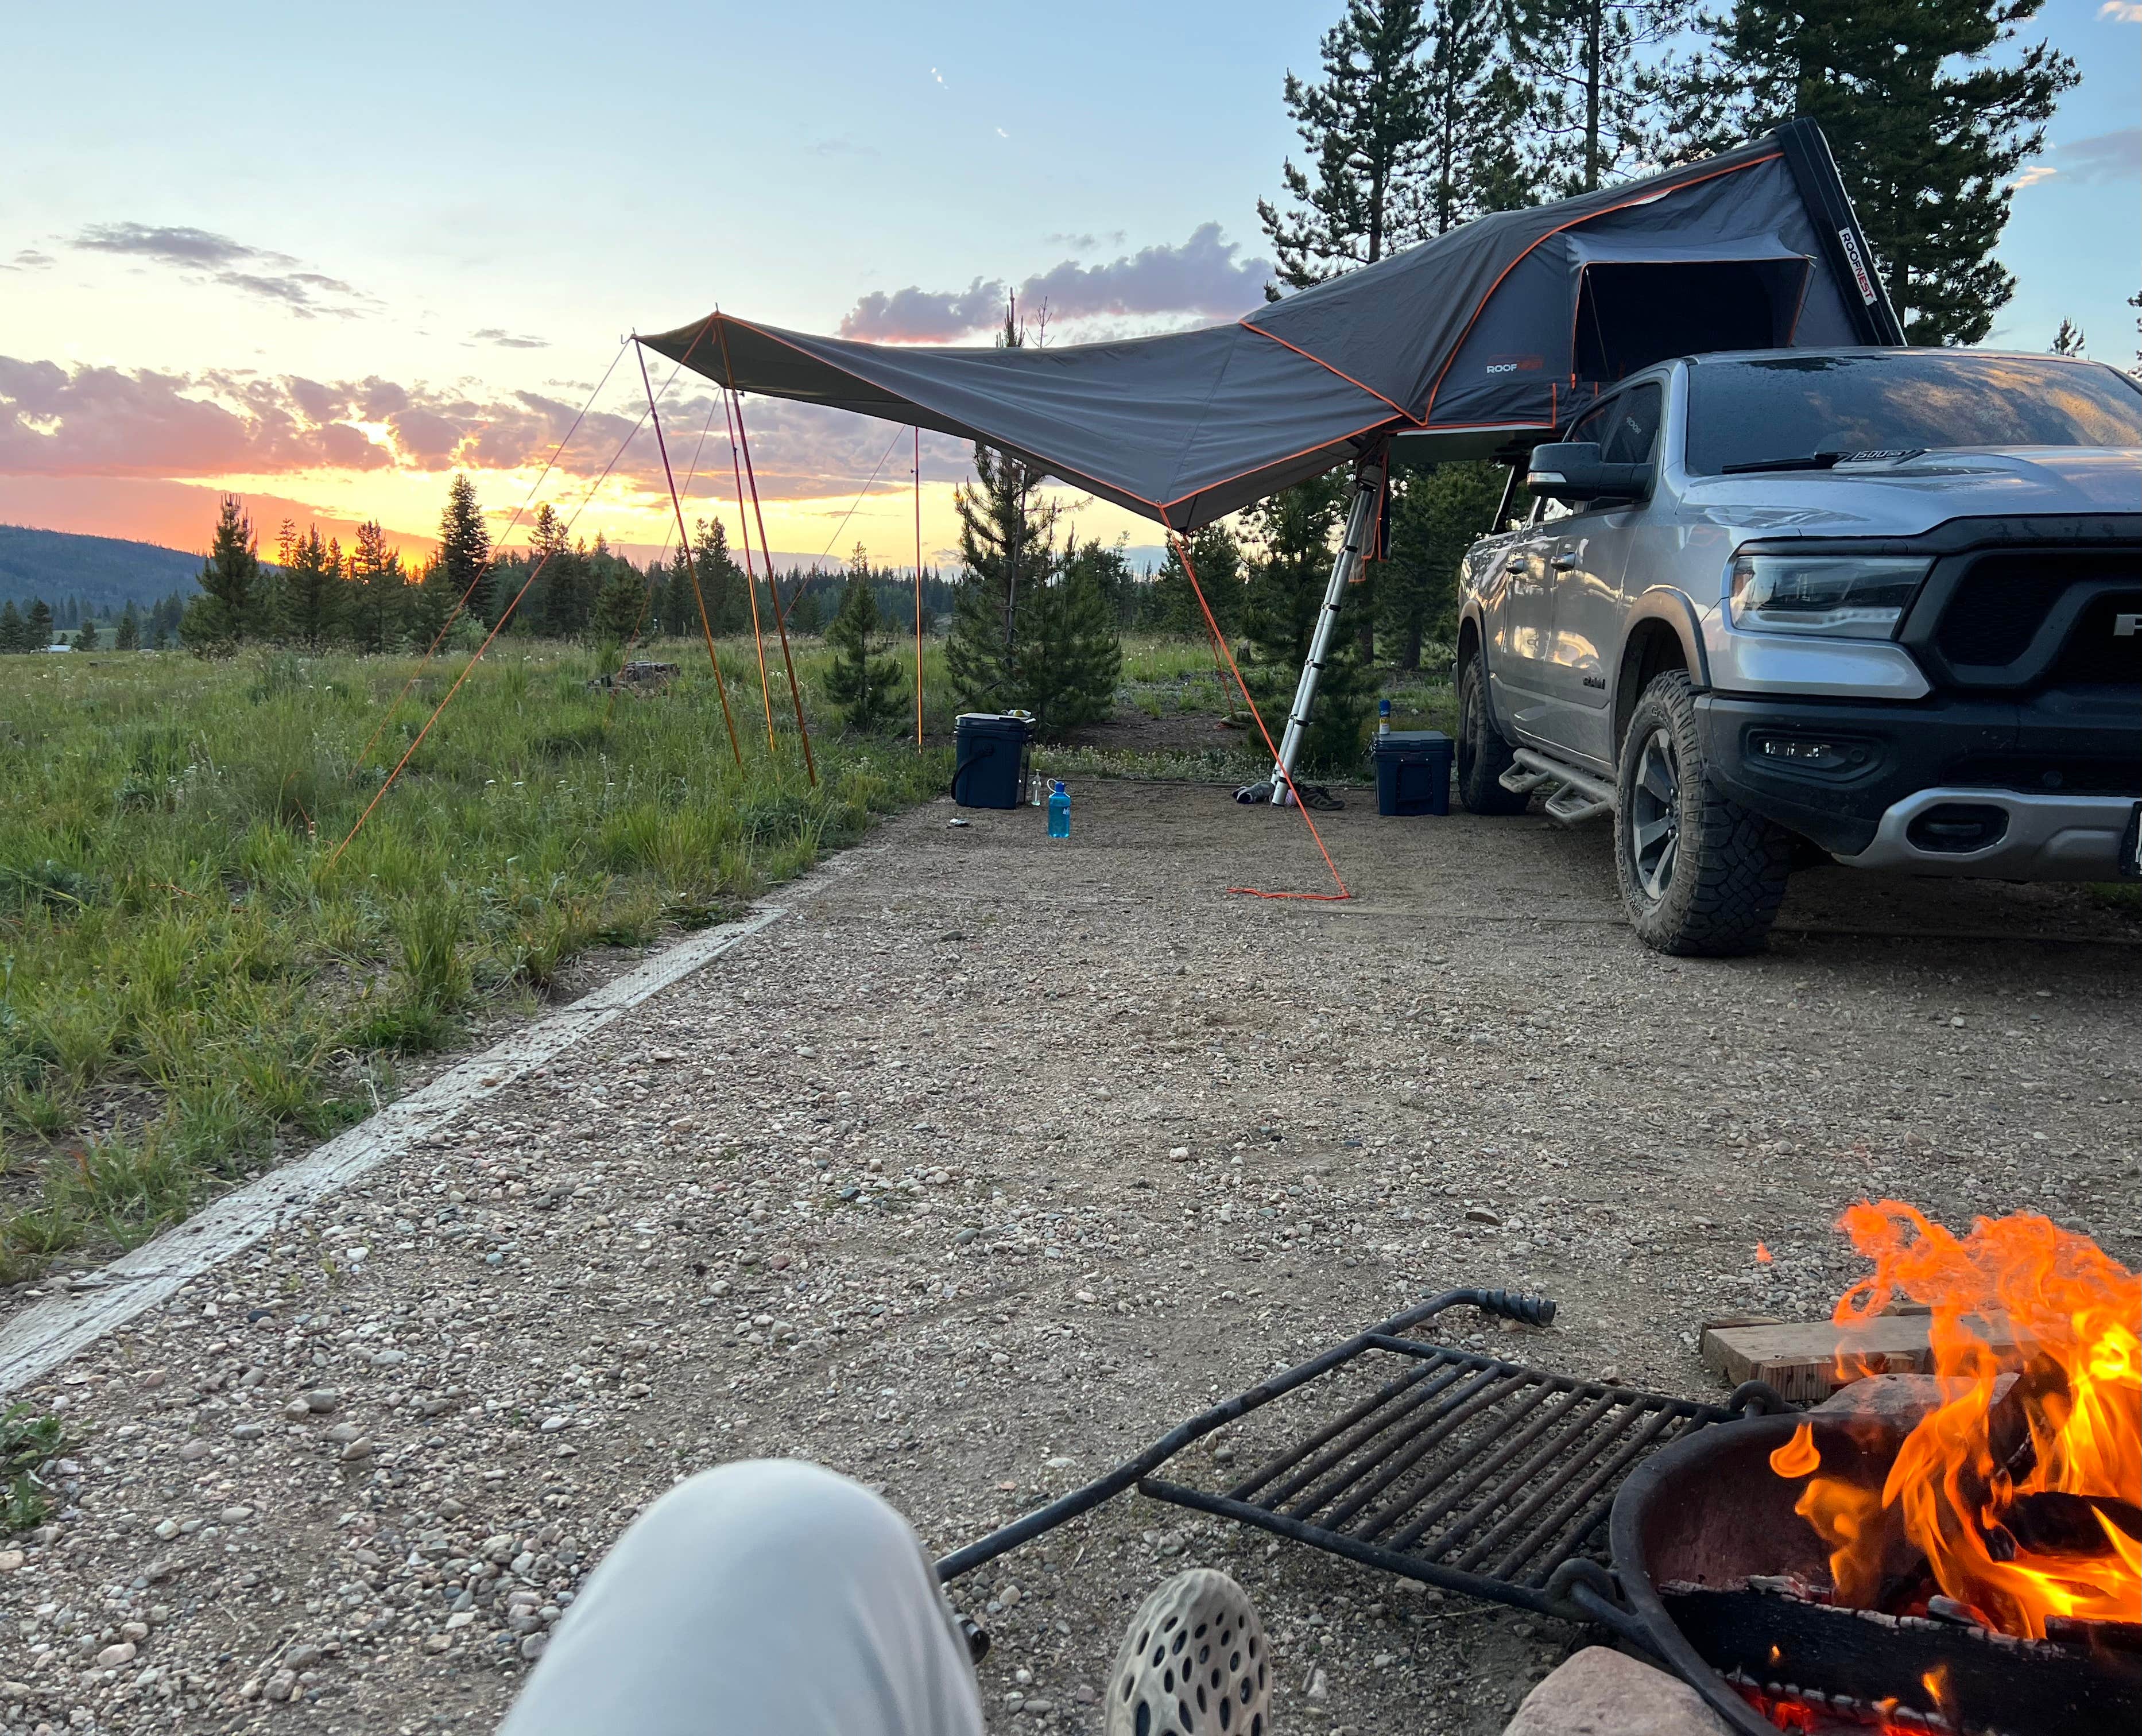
pixel 1365 125
pixel 37 625
pixel 1929 105
pixel 127 636
pixel 1597 81
pixel 1215 556
pixel 463 568
pixel 375 598
pixel 228 608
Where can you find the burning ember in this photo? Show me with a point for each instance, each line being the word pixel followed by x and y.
pixel 2018 1500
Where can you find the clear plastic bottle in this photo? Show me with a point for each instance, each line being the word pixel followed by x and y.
pixel 1060 810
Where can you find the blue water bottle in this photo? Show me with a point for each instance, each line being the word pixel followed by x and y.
pixel 1060 810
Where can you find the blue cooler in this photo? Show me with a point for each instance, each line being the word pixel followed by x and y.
pixel 988 760
pixel 1413 771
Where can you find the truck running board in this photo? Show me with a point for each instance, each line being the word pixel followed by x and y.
pixel 1573 796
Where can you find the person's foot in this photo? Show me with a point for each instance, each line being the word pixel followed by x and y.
pixel 1193 1663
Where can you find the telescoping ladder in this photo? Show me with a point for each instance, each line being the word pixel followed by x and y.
pixel 1361 527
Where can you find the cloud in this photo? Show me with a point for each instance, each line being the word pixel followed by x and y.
pixel 2032 175
pixel 235 264
pixel 1204 276
pixel 2112 156
pixel 28 259
pixel 508 340
pixel 2121 11
pixel 172 246
pixel 72 425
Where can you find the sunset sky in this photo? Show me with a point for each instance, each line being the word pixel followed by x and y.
pixel 323 258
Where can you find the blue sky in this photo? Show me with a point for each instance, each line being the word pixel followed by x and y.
pixel 431 216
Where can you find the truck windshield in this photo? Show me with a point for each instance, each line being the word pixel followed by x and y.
pixel 1774 407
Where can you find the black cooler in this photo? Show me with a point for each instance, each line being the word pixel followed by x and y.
pixel 988 760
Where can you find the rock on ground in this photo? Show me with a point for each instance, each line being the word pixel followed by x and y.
pixel 994 1159
pixel 1602 1692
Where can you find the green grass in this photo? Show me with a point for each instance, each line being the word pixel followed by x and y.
pixel 188 972
pixel 27 1443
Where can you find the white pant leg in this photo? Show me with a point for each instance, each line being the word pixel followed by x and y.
pixel 763 1598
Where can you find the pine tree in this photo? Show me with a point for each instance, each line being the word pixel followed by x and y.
pixel 85 640
pixel 805 613
pixel 869 691
pixel 463 568
pixel 1068 658
pixel 37 625
pixel 721 584
pixel 1216 556
pixel 2068 341
pixel 1008 553
pixel 1365 126
pixel 1294 532
pixel 227 611
pixel 1596 73
pixel 1476 109
pixel 621 604
pixel 1436 515
pixel 128 636
pixel 375 593
pixel 1929 106
pixel 14 634
pixel 311 591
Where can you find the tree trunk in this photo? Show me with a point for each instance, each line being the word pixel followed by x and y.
pixel 1593 10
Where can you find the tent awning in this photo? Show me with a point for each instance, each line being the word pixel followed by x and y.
pixel 1471 337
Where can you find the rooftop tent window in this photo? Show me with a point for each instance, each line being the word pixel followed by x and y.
pixel 1631 314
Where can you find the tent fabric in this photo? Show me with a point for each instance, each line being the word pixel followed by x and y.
pixel 1462 344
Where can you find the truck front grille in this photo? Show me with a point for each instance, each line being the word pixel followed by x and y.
pixel 1991 631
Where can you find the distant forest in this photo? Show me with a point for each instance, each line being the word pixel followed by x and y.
pixel 83 576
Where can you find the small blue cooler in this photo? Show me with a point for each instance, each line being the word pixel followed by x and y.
pixel 1413 771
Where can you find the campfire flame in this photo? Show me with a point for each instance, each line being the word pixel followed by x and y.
pixel 2027 1505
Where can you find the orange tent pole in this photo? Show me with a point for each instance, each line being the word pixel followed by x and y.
pixel 788 663
pixel 684 542
pixel 918 585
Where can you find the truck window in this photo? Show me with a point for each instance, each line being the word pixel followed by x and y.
pixel 1791 406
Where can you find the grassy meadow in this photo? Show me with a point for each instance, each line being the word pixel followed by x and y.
pixel 190 979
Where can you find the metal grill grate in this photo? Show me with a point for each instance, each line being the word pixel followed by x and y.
pixel 1480 1476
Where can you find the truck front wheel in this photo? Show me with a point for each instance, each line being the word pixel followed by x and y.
pixel 1701 874
pixel 1482 756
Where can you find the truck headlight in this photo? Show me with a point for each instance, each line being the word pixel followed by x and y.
pixel 1845 596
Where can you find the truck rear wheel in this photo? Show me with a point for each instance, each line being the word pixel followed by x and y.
pixel 1701 874
pixel 1482 756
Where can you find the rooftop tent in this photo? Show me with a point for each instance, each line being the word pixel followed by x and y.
pixel 1472 342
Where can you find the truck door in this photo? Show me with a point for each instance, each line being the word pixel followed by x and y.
pixel 1520 606
pixel 1587 567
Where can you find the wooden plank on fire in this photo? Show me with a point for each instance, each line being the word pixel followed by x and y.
pixel 1807 1361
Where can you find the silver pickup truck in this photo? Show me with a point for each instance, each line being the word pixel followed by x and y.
pixel 1879 606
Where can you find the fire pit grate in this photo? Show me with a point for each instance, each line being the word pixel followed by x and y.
pixel 1467 1473
pixel 1455 1469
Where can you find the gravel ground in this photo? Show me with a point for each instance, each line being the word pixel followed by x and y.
pixel 994 1159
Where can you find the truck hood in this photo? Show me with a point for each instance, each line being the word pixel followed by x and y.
pixel 1906 498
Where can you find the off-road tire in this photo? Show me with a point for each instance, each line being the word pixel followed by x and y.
pixel 1482 756
pixel 1701 876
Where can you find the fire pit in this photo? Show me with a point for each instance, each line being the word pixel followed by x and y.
pixel 1722 1579
pixel 1974 1565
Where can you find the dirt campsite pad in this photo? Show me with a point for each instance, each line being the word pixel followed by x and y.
pixel 988 1162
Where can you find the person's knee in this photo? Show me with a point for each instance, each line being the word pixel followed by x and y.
pixel 785 1507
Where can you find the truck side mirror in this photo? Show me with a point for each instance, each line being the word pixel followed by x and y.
pixel 1572 470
